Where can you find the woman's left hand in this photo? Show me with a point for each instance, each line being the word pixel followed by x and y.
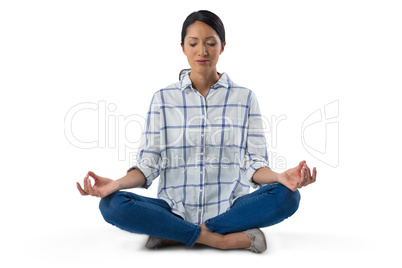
pixel 298 176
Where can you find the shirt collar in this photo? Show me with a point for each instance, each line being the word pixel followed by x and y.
pixel 224 81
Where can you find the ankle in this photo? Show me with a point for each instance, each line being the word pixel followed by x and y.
pixel 211 239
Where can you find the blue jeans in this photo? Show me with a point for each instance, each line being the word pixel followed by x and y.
pixel 264 207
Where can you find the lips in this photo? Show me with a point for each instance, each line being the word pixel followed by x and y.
pixel 202 61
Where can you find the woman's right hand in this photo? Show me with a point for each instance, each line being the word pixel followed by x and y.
pixel 102 187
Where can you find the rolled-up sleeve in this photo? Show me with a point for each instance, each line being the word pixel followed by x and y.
pixel 149 157
pixel 256 146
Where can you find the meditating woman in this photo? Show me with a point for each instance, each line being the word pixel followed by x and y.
pixel 204 139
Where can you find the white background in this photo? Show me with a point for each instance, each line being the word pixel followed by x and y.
pixel 297 56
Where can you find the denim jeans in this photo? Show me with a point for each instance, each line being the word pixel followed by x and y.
pixel 264 207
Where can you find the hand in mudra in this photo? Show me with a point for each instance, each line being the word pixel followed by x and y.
pixel 298 176
pixel 102 187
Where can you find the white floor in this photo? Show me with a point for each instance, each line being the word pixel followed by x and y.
pixel 103 247
pixel 88 241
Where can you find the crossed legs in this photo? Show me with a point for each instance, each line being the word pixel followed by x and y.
pixel 269 205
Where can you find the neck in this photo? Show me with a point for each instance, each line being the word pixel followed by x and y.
pixel 203 81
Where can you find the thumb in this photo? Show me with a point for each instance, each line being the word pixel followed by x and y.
pixel 93 175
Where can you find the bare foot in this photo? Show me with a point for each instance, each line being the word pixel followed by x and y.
pixel 228 241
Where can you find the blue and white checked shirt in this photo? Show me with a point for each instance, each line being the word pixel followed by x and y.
pixel 205 150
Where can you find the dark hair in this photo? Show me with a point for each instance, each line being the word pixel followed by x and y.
pixel 207 17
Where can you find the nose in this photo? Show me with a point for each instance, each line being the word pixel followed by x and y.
pixel 203 50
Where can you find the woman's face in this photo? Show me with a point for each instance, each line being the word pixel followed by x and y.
pixel 202 46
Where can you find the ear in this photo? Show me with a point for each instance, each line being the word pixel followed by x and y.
pixel 223 47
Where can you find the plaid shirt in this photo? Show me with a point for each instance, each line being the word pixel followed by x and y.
pixel 205 150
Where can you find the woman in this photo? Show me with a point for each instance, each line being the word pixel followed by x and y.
pixel 204 139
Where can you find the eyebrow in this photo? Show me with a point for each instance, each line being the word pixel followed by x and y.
pixel 205 38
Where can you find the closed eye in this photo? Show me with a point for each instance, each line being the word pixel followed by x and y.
pixel 193 45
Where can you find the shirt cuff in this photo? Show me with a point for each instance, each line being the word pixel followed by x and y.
pixel 147 173
pixel 251 170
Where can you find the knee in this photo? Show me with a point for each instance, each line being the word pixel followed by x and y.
pixel 295 201
pixel 106 202
pixel 110 204
pixel 290 199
